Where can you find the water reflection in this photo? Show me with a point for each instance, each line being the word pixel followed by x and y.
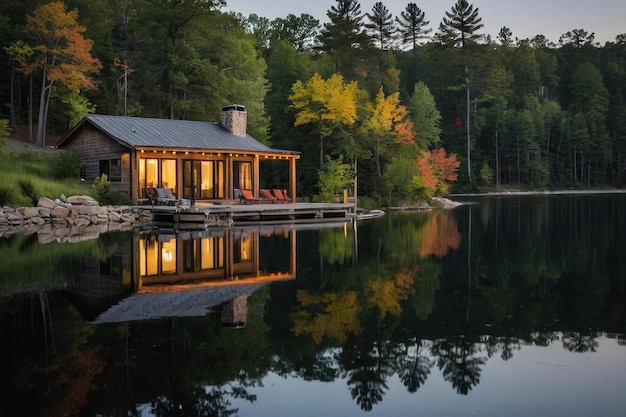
pixel 415 312
pixel 168 274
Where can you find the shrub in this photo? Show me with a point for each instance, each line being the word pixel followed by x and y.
pixel 28 190
pixel 105 195
pixel 5 130
pixel 6 195
pixel 66 165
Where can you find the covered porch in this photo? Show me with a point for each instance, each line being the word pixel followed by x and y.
pixel 209 176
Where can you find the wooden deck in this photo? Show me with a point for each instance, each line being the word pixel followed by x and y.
pixel 203 215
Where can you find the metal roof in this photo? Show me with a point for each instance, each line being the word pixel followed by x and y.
pixel 137 132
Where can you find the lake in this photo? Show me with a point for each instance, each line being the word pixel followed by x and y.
pixel 505 306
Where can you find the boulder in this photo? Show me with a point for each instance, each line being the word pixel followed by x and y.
pixel 60 212
pixel 30 212
pixel 82 200
pixel 46 202
pixel 45 212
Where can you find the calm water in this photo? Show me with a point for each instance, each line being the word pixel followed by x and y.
pixel 507 306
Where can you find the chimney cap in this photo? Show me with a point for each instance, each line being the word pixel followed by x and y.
pixel 236 107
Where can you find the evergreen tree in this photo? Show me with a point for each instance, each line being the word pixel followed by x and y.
pixel 412 28
pixel 344 37
pixel 460 25
pixel 381 26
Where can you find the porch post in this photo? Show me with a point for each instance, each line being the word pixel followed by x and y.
pixel 292 178
pixel 256 184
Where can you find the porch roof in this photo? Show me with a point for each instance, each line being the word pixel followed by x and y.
pixel 136 132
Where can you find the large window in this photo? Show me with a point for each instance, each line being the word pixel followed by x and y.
pixel 203 179
pixel 155 172
pixel 242 175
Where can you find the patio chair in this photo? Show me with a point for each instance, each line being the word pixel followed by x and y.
pixel 267 195
pixel 165 197
pixel 280 197
pixel 248 198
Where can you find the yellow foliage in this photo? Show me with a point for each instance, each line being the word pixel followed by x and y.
pixel 326 104
pixel 329 315
pixel 390 118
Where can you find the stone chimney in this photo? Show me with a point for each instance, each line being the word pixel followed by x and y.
pixel 234 119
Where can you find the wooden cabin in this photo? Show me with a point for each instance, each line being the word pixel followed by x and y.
pixel 196 160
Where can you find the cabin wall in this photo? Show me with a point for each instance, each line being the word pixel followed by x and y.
pixel 92 146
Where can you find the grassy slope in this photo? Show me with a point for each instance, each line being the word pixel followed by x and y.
pixel 34 167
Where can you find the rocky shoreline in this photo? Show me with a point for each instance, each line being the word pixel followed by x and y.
pixel 75 218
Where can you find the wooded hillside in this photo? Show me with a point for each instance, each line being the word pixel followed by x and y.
pixel 414 112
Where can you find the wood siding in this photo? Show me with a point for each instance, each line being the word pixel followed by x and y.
pixel 92 146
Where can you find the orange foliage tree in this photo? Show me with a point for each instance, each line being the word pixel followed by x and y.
pixel 61 53
pixel 437 170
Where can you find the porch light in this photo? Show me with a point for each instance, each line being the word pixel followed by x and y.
pixel 186 152
pixel 173 152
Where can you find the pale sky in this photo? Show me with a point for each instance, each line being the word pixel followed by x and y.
pixel 525 18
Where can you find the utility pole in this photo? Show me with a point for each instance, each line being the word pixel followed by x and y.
pixel 467 126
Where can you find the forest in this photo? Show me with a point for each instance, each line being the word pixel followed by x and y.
pixel 367 97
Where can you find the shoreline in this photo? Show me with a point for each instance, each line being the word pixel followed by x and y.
pixel 538 192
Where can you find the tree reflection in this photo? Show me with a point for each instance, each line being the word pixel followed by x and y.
pixel 579 342
pixel 200 402
pixel 441 234
pixel 459 361
pixel 367 368
pixel 414 367
pixel 505 345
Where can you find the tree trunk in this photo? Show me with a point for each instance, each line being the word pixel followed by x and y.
pixel 43 103
pixel 12 116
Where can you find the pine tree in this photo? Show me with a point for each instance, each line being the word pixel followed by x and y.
pixel 412 29
pixel 460 25
pixel 344 35
pixel 381 25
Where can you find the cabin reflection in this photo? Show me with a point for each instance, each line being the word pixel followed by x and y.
pixel 193 273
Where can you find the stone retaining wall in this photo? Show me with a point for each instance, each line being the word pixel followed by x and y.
pixel 71 218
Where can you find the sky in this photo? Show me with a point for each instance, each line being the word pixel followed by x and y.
pixel 525 18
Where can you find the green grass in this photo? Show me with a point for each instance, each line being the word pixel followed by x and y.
pixel 37 170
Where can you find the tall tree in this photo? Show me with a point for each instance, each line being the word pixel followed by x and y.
pixel 505 36
pixel 345 35
pixel 302 31
pixel 388 122
pixel 577 38
pixel 62 54
pixel 426 117
pixel 460 25
pixel 381 28
pixel 327 105
pixel 381 25
pixel 412 28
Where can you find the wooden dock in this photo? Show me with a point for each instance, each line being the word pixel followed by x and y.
pixel 201 216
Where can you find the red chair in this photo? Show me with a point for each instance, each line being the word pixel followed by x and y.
pixel 248 198
pixel 268 196
pixel 282 198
